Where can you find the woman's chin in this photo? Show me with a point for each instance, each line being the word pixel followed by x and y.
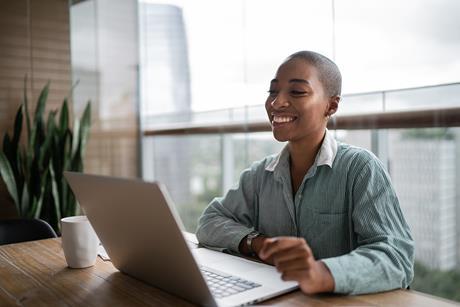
pixel 280 137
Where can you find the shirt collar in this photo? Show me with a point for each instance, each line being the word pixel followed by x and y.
pixel 325 155
pixel 328 150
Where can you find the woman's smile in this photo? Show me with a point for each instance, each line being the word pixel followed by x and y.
pixel 282 120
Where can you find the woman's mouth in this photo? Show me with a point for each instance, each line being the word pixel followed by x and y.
pixel 279 120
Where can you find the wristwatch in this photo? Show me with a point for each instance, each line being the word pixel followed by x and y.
pixel 252 235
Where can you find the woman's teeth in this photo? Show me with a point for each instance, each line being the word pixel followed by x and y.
pixel 283 119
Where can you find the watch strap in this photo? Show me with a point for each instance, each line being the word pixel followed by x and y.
pixel 252 235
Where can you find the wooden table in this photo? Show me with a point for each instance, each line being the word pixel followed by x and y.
pixel 35 274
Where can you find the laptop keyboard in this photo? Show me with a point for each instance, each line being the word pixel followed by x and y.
pixel 222 285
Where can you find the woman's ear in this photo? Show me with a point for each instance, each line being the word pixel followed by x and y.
pixel 333 105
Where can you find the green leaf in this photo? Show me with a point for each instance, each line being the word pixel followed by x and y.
pixel 51 120
pixel 8 178
pixel 85 126
pixel 26 108
pixel 16 159
pixel 72 207
pixel 75 138
pixel 8 147
pixel 64 118
pixel 66 146
pixel 17 127
pixel 55 192
pixel 25 199
pixel 64 196
pixel 33 208
pixel 76 164
pixel 46 150
pixel 40 135
pixel 32 138
pixel 38 209
pixel 40 109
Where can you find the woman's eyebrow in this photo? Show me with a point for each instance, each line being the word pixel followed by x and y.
pixel 293 81
pixel 299 81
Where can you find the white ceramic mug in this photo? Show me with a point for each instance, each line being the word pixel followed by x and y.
pixel 79 241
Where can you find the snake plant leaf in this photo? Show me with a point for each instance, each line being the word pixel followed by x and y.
pixel 46 149
pixel 64 118
pixel 8 178
pixel 55 192
pixel 17 127
pixel 72 205
pixel 40 109
pixel 33 208
pixel 24 164
pixel 51 119
pixel 76 138
pixel 37 210
pixel 40 135
pixel 8 147
pixel 37 137
pixel 64 196
pixel 66 145
pixel 85 125
pixel 38 130
pixel 15 158
pixel 33 132
pixel 26 107
pixel 25 199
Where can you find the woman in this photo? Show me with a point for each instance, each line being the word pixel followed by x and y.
pixel 324 213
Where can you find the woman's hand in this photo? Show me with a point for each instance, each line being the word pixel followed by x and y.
pixel 294 259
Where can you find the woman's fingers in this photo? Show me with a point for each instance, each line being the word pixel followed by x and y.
pixel 295 275
pixel 275 247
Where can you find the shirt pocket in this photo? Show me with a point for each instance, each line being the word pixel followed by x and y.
pixel 330 204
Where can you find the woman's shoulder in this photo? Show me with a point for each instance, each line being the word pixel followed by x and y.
pixel 355 155
pixel 258 169
pixel 264 163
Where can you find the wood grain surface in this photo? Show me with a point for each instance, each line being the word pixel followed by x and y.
pixel 35 274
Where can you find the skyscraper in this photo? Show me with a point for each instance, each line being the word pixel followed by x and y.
pixel 164 88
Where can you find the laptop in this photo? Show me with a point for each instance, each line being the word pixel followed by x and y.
pixel 138 226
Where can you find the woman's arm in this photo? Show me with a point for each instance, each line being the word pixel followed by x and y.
pixel 227 220
pixel 384 258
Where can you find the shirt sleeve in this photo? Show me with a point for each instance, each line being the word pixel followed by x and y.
pixel 227 220
pixel 384 257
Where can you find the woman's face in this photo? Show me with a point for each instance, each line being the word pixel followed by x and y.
pixel 297 104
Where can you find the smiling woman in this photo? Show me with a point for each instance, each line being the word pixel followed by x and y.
pixel 303 96
pixel 324 213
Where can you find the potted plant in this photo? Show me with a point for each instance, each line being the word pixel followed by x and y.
pixel 32 168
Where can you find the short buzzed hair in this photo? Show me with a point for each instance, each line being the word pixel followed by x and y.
pixel 329 73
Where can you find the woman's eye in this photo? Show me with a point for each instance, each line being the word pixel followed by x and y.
pixel 298 93
pixel 272 92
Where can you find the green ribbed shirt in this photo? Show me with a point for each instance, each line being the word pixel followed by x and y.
pixel 345 208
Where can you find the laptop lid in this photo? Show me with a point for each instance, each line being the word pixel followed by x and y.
pixel 141 233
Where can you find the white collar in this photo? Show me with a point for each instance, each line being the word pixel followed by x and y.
pixel 325 156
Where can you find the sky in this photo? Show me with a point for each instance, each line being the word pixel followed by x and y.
pixel 235 46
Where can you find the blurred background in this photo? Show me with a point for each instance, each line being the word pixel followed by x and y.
pixel 177 91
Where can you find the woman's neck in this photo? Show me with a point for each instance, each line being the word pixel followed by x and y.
pixel 303 153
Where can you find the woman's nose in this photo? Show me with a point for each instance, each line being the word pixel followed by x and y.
pixel 280 101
